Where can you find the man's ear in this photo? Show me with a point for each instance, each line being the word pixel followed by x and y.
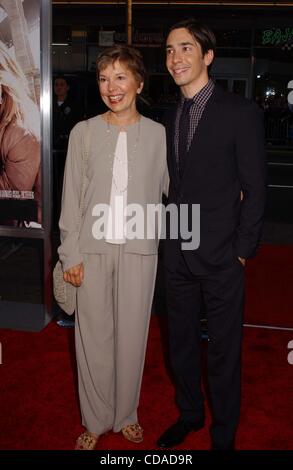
pixel 209 57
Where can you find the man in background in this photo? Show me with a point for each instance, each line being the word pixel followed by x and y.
pixel 66 113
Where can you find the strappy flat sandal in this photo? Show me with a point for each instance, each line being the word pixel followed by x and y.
pixel 86 441
pixel 133 433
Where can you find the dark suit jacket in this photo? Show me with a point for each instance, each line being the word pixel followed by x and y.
pixel 226 156
pixel 65 117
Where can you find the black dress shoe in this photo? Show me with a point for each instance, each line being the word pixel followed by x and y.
pixel 178 432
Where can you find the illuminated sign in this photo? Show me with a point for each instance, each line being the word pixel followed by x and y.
pixel 276 36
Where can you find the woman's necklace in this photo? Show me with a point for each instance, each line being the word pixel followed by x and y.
pixel 112 155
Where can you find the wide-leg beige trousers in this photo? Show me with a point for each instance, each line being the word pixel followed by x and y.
pixel 112 321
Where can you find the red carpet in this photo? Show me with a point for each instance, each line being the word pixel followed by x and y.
pixel 269 287
pixel 39 407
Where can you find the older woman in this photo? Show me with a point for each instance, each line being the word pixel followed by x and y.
pixel 114 268
pixel 19 130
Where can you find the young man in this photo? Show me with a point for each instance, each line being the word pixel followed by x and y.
pixel 216 158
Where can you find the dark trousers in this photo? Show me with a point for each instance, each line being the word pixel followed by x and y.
pixel 223 293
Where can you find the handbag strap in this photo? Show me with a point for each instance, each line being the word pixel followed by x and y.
pixel 85 157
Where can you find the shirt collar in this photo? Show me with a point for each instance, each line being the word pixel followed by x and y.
pixel 201 98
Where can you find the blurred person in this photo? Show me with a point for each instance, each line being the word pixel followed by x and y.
pixel 66 113
pixel 115 274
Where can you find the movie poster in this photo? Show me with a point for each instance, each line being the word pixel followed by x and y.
pixel 20 125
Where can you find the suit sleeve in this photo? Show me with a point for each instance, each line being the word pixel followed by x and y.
pixel 251 162
pixel 68 251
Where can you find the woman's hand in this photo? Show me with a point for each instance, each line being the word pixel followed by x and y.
pixel 74 275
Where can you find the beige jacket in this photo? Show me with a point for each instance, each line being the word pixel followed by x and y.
pixel 149 179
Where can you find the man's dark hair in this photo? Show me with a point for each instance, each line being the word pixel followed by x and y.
pixel 61 77
pixel 200 31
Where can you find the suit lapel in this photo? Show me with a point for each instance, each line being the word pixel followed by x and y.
pixel 170 131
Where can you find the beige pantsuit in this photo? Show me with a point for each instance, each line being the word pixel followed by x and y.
pixel 111 335
pixel 114 300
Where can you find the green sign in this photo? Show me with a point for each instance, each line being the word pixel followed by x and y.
pixel 275 36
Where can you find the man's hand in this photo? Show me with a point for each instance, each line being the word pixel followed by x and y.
pixel 242 261
pixel 74 275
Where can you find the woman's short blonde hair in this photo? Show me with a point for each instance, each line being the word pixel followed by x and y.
pixel 127 55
